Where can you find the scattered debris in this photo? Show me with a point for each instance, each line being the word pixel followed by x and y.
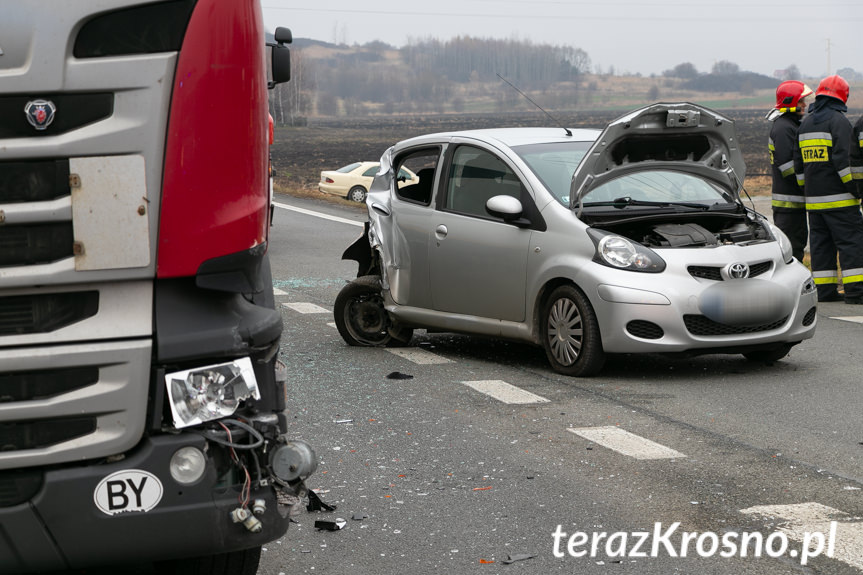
pixel 344 421
pixel 486 561
pixel 517 557
pixel 360 516
pixel 317 504
pixel 399 375
pixel 482 488
pixel 335 525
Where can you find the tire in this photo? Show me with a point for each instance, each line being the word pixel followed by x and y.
pixel 357 194
pixel 362 319
pixel 570 333
pixel 769 355
pixel 243 562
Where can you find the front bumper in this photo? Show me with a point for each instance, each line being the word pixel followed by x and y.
pixel 61 527
pixel 666 314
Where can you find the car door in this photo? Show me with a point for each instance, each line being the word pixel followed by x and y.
pixel 477 262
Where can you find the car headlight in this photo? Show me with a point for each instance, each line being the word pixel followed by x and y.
pixel 784 243
pixel 622 253
pixel 210 392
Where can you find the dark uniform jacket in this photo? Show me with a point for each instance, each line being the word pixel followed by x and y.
pixel 857 157
pixel 787 194
pixel 823 160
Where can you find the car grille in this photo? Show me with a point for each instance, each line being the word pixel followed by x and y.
pixel 715 273
pixel 644 329
pixel 701 325
pixel 809 318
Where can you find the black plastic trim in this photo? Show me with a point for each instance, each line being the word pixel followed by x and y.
pixel 146 29
pixel 235 273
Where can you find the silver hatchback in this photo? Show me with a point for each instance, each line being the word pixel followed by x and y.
pixel 628 240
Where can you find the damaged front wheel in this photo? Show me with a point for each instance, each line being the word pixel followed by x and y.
pixel 362 319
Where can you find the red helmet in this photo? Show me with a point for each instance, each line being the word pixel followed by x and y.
pixel 789 94
pixel 834 86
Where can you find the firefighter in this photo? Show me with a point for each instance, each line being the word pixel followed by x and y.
pixel 857 158
pixel 823 167
pixel 789 203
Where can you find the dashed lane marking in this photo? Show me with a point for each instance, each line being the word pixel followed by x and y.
pixel 624 442
pixel 418 356
pixel 301 307
pixel 277 291
pixel 800 519
pixel 319 215
pixel 504 392
pixel 851 318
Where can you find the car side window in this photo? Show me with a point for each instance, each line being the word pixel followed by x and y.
pixel 475 176
pixel 371 172
pixel 416 175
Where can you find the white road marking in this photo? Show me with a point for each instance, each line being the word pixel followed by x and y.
pixel 319 215
pixel 627 443
pixel 851 318
pixel 301 307
pixel 418 356
pixel 332 324
pixel 802 518
pixel 277 291
pixel 504 392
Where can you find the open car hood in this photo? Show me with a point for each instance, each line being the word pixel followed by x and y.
pixel 681 137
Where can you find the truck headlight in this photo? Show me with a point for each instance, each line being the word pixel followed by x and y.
pixel 622 253
pixel 211 392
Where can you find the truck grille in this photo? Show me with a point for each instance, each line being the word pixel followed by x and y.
pixel 36 244
pixel 43 313
pixel 28 386
pixel 36 181
pixel 36 434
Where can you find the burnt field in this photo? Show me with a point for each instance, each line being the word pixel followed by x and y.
pixel 299 154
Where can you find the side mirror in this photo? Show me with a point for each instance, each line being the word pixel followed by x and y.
pixel 505 207
pixel 279 58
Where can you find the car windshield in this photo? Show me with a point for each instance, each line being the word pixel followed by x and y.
pixel 657 188
pixel 554 164
pixel 349 167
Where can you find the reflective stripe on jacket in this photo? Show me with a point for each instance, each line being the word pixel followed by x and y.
pixel 782 141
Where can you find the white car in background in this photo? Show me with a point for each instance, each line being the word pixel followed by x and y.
pixel 352 181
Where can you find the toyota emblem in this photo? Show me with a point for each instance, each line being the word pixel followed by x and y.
pixel 40 113
pixel 738 271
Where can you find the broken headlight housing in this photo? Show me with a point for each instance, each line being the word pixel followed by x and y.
pixel 210 392
pixel 622 253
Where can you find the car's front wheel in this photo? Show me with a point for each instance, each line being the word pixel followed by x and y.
pixel 357 194
pixel 570 333
pixel 362 319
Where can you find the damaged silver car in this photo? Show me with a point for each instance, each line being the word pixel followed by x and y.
pixel 633 239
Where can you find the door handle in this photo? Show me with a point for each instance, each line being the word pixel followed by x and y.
pixel 440 232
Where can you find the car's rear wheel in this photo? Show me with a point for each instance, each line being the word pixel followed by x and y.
pixel 570 333
pixel 357 194
pixel 362 319
pixel 769 355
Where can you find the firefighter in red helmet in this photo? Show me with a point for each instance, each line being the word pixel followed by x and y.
pixel 789 203
pixel 823 162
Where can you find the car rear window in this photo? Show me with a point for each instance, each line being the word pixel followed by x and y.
pixel 349 167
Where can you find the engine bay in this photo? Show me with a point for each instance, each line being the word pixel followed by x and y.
pixel 690 230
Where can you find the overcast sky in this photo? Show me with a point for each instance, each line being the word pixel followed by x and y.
pixel 633 36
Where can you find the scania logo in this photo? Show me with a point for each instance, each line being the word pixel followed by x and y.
pixel 738 271
pixel 40 113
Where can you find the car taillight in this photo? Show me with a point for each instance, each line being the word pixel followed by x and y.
pixel 329 181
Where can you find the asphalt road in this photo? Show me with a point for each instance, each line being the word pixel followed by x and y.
pixel 444 478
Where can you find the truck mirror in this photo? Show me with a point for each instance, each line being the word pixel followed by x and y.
pixel 280 70
pixel 283 35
